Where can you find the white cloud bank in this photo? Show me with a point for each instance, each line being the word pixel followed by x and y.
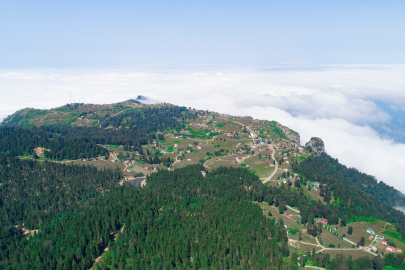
pixel 333 103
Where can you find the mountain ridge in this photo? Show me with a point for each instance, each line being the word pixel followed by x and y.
pixel 124 141
pixel 95 115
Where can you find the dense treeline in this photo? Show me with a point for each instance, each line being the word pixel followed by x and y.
pixel 141 125
pixel 19 142
pixel 195 222
pixel 158 118
pixel 341 262
pixel 129 138
pixel 332 168
pixel 74 238
pixel 350 201
pixel 32 192
pixel 180 220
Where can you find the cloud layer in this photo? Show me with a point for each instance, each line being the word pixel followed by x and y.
pixel 334 103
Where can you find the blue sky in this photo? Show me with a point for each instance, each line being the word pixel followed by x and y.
pixel 35 34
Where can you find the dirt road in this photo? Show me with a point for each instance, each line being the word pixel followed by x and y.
pixel 275 161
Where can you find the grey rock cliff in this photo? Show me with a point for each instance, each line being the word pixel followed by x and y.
pixel 291 134
pixel 316 145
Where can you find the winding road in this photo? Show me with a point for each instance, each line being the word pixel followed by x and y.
pixel 267 179
pixel 176 161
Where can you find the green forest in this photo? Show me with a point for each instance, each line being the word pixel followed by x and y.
pixel 181 220
pixel 359 194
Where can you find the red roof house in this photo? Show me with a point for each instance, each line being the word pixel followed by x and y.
pixel 325 221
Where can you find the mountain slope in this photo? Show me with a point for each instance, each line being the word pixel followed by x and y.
pixel 200 207
pixel 323 167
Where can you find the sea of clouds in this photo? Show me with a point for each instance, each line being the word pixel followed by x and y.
pixel 336 103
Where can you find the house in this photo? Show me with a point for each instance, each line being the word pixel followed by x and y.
pixel 324 221
pixel 290 215
pixel 384 243
pixel 293 243
pixel 146 167
pixel 399 250
pixel 369 230
pixel 370 237
pixel 373 248
pixel 390 248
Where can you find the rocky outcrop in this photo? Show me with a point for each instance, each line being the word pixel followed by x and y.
pixel 291 134
pixel 315 144
pixel 146 100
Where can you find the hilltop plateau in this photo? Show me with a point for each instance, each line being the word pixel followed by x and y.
pixel 302 205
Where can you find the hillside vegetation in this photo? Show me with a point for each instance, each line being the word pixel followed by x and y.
pixel 358 194
pixel 325 168
pixel 222 192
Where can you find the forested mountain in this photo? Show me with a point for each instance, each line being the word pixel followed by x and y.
pixel 56 215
